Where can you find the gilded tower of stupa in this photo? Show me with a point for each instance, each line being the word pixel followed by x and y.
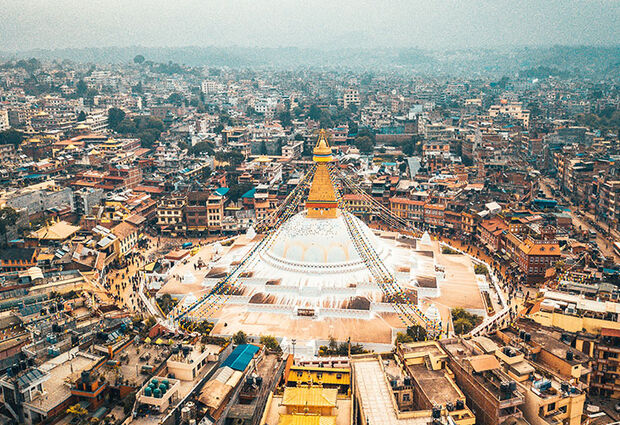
pixel 321 201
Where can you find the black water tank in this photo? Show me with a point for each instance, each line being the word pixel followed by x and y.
pixel 512 386
pixel 564 387
pixel 528 337
pixel 521 334
pixel 569 356
pixel 460 405
pixel 449 407
pixel 436 412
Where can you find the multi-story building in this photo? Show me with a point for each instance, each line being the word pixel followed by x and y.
pixel 171 213
pixel 40 197
pixel 215 212
pixel 514 110
pixel 196 212
pixel 491 231
pixel 86 198
pixel 608 205
pixel 351 96
pixel 536 256
pixel 409 209
pixel 492 395
pixel 411 386
pixel 605 379
pixel 4 120
pixel 127 236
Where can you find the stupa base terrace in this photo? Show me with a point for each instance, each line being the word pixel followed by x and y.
pixel 308 306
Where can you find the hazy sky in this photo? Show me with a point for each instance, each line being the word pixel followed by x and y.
pixel 27 24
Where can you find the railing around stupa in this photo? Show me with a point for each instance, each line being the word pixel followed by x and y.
pixel 407 311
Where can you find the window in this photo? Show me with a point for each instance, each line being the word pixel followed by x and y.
pixel 339 376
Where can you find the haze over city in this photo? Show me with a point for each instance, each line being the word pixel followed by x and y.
pixel 325 24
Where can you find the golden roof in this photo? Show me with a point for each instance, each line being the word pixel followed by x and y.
pixel 310 396
pixel 306 419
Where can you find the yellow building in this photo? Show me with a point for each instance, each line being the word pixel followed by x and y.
pixel 330 377
pixel 574 314
pixel 308 405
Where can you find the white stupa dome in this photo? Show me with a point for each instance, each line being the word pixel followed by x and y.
pixel 319 245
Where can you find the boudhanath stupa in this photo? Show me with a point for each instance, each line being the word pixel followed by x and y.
pixel 311 280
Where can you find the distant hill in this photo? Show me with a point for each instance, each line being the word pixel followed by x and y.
pixel 577 60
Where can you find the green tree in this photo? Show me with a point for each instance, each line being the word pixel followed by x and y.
pixel 314 113
pixel 240 338
pixel 176 99
pixel 81 116
pixel 285 118
pixel 139 59
pixel 464 321
pixel 480 269
pixel 11 137
pixel 115 117
pixel 81 88
pixel 462 326
pixel 237 190
pixel 417 332
pixel 201 147
pixel 364 144
pixel 270 343
pixel 402 338
pixel 138 89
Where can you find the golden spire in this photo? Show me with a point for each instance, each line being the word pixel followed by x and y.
pixel 322 199
pixel 322 152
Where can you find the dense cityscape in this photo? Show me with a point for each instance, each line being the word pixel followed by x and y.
pixel 230 242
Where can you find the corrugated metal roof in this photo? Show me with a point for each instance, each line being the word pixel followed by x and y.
pixel 241 357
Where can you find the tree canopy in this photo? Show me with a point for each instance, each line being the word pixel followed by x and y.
pixel 115 117
pixel 11 137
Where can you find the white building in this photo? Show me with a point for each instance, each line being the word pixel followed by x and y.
pixel 4 120
pixel 513 109
pixel 97 122
pixel 351 96
pixel 209 86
